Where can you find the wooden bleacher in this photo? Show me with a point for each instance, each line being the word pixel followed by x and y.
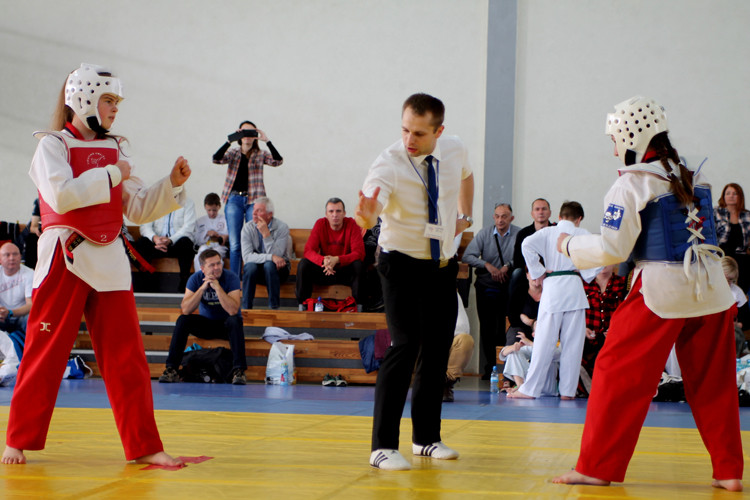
pixel 313 358
pixel 335 349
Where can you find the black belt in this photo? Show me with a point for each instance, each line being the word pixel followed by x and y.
pixel 239 193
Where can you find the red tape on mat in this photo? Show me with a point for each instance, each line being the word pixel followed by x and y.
pixel 185 460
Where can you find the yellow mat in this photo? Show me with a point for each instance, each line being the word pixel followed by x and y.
pixel 272 456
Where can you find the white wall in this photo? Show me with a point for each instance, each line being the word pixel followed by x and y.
pixel 576 59
pixel 325 79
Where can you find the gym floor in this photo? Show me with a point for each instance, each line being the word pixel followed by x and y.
pixel 313 442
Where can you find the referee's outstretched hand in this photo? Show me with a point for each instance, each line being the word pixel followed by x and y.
pixel 368 209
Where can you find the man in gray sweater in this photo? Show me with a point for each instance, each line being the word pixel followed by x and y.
pixel 266 253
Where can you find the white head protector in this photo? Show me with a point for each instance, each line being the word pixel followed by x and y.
pixel 633 124
pixel 84 88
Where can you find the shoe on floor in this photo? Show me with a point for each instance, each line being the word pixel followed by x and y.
pixel 169 376
pixel 340 382
pixel 448 391
pixel 435 450
pixel 238 377
pixel 7 380
pixel 328 380
pixel 388 460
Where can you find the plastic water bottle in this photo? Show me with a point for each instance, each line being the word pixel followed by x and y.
pixel 494 381
pixel 284 374
pixel 319 305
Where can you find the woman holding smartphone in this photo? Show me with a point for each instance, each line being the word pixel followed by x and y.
pixel 244 181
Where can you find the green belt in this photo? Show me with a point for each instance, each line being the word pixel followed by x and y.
pixel 562 273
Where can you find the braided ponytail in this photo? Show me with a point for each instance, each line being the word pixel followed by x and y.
pixel 681 186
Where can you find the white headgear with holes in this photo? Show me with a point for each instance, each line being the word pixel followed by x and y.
pixel 84 88
pixel 633 124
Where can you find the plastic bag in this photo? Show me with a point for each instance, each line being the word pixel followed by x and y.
pixel 280 367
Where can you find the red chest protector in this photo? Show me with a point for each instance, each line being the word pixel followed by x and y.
pixel 100 223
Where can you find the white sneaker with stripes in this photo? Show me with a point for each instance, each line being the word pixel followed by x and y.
pixel 389 460
pixel 435 450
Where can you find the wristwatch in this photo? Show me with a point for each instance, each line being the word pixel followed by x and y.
pixel 467 218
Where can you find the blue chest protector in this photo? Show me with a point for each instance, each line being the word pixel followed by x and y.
pixel 664 234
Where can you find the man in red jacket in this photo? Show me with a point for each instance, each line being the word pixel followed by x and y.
pixel 333 253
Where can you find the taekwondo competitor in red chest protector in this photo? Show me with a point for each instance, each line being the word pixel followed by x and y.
pixel 85 186
pixel 661 211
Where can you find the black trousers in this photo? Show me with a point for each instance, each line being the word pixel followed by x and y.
pixel 309 274
pixel 492 307
pixel 181 249
pixel 205 328
pixel 421 310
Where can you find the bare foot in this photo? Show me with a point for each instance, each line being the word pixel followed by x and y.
pixel 518 395
pixel 160 458
pixel 567 398
pixel 728 484
pixel 13 456
pixel 574 477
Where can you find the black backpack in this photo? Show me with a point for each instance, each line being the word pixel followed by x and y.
pixel 207 365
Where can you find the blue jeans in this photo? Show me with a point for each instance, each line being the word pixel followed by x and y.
pixel 265 274
pixel 237 212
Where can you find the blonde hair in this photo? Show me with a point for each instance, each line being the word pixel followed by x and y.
pixel 730 268
pixel 63 114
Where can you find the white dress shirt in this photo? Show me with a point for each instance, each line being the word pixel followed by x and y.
pixel 403 194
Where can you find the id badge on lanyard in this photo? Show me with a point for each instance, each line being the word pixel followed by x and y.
pixel 434 231
pixel 431 231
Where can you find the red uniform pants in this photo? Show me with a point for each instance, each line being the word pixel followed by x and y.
pixel 627 374
pixel 54 321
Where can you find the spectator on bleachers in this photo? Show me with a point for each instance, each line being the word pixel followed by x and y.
pixel 15 303
pixel 334 254
pixel 460 353
pixel 731 272
pixel 244 181
pixel 211 229
pixel 170 236
pixel 604 293
pixel 32 236
pixel 517 359
pixel 490 253
pixel 216 293
pixel 733 230
pixel 373 301
pixel 527 310
pixel 15 289
pixel 266 252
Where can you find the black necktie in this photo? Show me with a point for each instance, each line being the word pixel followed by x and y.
pixel 432 212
